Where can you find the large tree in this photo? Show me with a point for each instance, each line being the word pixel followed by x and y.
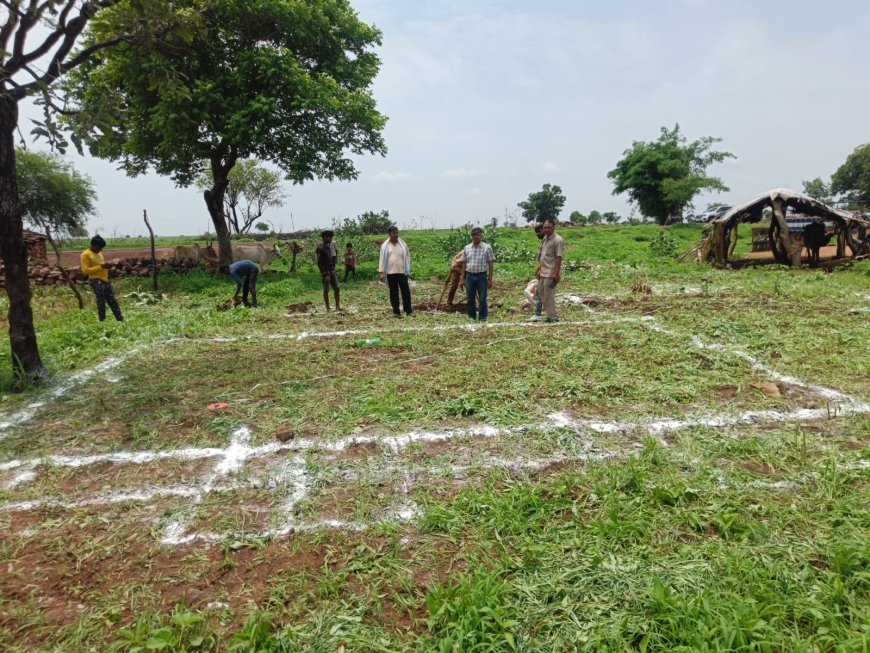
pixel 663 176
pixel 852 179
pixel 53 195
pixel 286 81
pixel 251 189
pixel 545 204
pixel 37 47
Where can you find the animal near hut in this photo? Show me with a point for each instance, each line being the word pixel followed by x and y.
pixel 852 232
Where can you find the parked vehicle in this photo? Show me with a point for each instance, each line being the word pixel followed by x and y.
pixel 713 213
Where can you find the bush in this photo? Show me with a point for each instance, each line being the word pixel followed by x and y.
pixel 664 245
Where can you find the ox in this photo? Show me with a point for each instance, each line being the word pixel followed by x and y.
pixel 256 252
pixel 187 253
pixel 814 239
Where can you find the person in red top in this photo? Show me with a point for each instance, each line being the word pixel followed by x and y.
pixel 349 262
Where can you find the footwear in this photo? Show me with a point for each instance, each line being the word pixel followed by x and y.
pixel 551 320
pixel 535 318
pixel 411 314
pixel 397 316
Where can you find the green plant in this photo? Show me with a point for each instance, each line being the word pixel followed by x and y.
pixel 664 245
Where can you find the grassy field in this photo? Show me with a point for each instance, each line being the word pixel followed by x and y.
pixel 682 463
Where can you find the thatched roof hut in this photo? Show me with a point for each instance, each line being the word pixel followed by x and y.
pixel 852 232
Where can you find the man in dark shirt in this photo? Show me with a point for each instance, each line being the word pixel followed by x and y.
pixel 327 254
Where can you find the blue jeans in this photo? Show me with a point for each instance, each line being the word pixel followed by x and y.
pixel 475 286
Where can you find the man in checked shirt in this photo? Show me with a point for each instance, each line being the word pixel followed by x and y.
pixel 477 274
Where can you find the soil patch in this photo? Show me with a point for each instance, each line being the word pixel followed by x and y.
pixel 72 259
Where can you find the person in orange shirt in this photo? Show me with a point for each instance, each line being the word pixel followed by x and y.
pixel 93 265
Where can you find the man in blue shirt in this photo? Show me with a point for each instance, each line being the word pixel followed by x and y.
pixel 244 273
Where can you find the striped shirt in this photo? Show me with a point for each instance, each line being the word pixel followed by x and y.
pixel 477 258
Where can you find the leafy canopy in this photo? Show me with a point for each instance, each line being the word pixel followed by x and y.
pixel 546 204
pixel 852 179
pixel 285 81
pixel 663 177
pixel 817 189
pixel 53 194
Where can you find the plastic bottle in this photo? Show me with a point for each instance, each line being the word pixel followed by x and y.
pixel 368 342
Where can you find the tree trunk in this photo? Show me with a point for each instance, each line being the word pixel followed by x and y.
pixel 22 336
pixel 790 252
pixel 214 200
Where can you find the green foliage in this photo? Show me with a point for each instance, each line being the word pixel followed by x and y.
pixel 455 239
pixel 817 189
pixel 183 632
pixel 595 217
pixel 577 218
pixel 250 191
pixel 662 177
pixel 374 223
pixel 472 614
pixel 545 204
pixel 53 194
pixel 664 245
pixel 282 81
pixel 852 179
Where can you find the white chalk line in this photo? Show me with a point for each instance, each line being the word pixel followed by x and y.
pixel 63 387
pixel 233 457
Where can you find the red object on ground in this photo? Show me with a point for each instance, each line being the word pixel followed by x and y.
pixel 218 406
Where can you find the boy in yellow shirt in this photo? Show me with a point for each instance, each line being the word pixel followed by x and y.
pixel 93 265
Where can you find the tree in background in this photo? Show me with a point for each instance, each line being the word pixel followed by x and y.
pixel 595 217
pixel 662 177
pixel 852 179
pixel 373 223
pixel 37 49
pixel 611 217
pixel 546 204
pixel 251 189
pixel 53 195
pixel 817 189
pixel 577 218
pixel 285 81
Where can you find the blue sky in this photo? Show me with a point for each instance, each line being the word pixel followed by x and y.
pixel 489 100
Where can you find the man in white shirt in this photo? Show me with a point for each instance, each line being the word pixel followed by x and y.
pixel 394 265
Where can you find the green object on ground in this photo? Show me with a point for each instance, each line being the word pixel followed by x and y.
pixel 368 342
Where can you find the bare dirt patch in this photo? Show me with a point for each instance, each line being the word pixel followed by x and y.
pixel 72 259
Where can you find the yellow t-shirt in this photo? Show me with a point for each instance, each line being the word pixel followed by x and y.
pixel 92 265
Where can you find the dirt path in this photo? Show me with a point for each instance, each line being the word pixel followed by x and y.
pixel 71 259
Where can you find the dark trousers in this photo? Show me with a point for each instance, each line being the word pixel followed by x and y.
pixel 250 285
pixel 398 282
pixel 350 269
pixel 105 295
pixel 475 286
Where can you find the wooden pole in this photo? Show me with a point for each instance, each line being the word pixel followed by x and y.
pixel 153 256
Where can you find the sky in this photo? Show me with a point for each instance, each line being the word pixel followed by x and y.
pixel 488 100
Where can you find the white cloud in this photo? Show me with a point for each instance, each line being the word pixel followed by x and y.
pixel 549 166
pixel 391 177
pixel 463 172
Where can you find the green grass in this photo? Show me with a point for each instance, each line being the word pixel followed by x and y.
pixel 744 537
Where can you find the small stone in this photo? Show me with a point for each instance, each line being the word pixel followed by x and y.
pixel 767 389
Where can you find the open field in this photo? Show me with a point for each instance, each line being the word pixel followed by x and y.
pixel 681 463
